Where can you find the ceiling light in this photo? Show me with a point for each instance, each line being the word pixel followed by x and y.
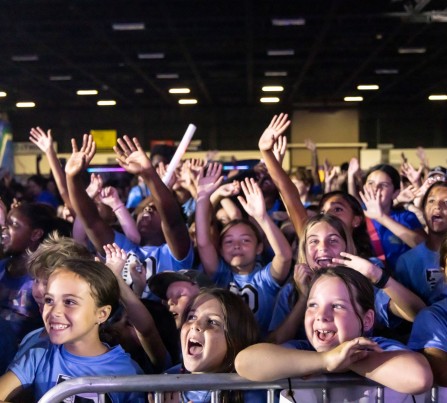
pixel 353 99
pixel 406 51
pixel 25 58
pixel 132 26
pixel 273 88
pixel 151 55
pixel 287 22
pixel 3 94
pixel 275 73
pixel 367 87
pixel 86 92
pixel 269 100
pixel 280 52
pixel 440 97
pixel 387 71
pixel 186 101
pixel 60 78
pixel 179 90
pixel 167 76
pixel 104 102
pixel 25 104
pixel 139 90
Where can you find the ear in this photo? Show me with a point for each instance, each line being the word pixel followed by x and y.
pixel 396 192
pixel 259 248
pixel 36 234
pixel 356 221
pixel 103 313
pixel 368 320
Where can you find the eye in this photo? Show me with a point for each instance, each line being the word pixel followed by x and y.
pixel 312 241
pixel 338 306
pixel 311 305
pixel 338 209
pixel 213 322
pixel 191 316
pixel 48 300
pixel 70 302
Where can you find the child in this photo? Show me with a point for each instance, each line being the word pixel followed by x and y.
pixel 80 296
pixel 392 231
pixel 177 289
pixel 418 269
pixel 234 263
pixel 339 313
pixel 26 226
pixel 217 325
pixel 429 333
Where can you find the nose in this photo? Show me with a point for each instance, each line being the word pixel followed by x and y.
pixel 172 301
pixel 323 314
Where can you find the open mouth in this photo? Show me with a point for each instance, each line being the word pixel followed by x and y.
pixel 58 326
pixel 436 219
pixel 324 261
pixel 194 347
pixel 324 335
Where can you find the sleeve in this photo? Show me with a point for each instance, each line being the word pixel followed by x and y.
pixel 384 316
pixel 282 307
pixel 26 365
pixel 411 221
pixel 429 331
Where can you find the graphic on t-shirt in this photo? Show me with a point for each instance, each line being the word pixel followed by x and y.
pixel 434 276
pixel 248 293
pixel 83 397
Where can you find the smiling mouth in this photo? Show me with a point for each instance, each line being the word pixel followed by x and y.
pixel 324 335
pixel 194 347
pixel 58 326
pixel 324 261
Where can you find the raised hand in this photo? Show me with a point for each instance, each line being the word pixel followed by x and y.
pixel 279 148
pixel 413 176
pixel 131 156
pixel 110 197
pixel 341 357
pixel 115 258
pixel 209 179
pixel 310 145
pixel 80 158
pixel 354 167
pixel 229 189
pixel 363 266
pixel 253 203
pixel 371 200
pixel 41 139
pixel 95 186
pixel 276 127
pixel 302 274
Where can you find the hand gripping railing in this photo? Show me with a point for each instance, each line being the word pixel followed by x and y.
pixel 213 382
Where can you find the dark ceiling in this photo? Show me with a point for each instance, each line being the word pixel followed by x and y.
pixel 219 49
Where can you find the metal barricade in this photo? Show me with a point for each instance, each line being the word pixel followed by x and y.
pixel 213 382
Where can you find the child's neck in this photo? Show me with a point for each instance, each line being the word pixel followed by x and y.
pixel 86 350
pixel 243 270
pixel 16 266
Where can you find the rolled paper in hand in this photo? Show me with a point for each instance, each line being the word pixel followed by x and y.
pixel 181 149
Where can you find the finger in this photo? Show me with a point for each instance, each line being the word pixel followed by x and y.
pixel 74 146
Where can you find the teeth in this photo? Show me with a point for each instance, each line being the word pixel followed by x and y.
pixel 325 331
pixel 59 327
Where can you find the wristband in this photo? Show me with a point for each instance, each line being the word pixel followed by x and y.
pixel 386 274
pixel 118 207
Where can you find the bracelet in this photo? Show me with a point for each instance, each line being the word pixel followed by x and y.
pixel 118 207
pixel 386 274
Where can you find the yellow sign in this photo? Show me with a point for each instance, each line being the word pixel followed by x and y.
pixel 104 139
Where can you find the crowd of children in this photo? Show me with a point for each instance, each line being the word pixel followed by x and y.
pixel 259 272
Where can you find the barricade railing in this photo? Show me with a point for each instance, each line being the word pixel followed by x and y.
pixel 213 382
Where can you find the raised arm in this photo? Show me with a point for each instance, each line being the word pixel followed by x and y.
pixel 312 147
pixel 289 192
pixel 138 315
pixel 44 141
pixel 403 303
pixel 132 157
pixel 209 181
pixel 98 231
pixel 109 196
pixel 254 205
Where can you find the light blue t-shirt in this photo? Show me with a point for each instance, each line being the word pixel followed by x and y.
pixel 44 368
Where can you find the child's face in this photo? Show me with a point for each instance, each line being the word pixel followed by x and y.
pixel 379 180
pixel 203 341
pixel 323 242
pixel 38 290
pixel 70 313
pixel 17 234
pixel 330 317
pixel 178 296
pixel 303 189
pixel 435 211
pixel 339 207
pixel 239 247
pixel 148 221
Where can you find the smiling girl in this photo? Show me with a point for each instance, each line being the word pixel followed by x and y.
pixel 339 314
pixel 80 296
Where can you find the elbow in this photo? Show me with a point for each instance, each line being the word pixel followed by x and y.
pixel 243 365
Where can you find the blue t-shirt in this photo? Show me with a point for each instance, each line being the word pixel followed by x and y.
pixel 17 304
pixel 392 245
pixel 419 271
pixel 136 195
pixel 44 368
pixel 258 288
pixel 430 328
pixel 8 345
